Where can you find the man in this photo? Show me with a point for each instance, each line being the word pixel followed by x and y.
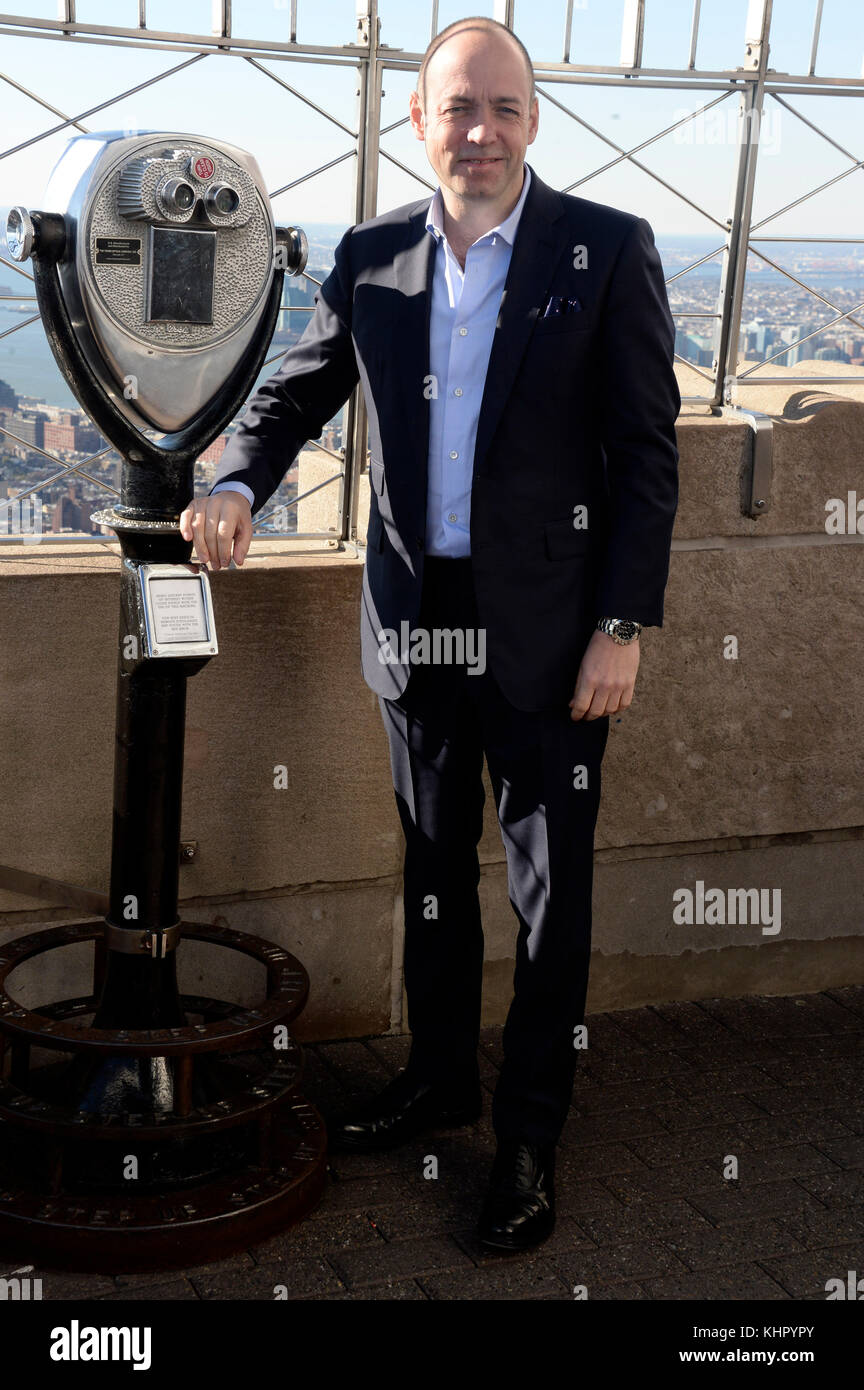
pixel 515 350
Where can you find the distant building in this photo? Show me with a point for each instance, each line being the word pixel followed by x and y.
pixel 72 513
pixel 29 426
pixel 8 397
pixel 214 451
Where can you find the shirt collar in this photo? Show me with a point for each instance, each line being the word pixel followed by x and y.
pixel 506 230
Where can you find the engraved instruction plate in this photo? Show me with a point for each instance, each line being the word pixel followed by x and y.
pixel 178 610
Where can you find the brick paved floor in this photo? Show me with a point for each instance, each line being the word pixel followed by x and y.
pixel 662 1096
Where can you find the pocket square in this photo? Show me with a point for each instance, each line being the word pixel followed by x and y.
pixel 558 305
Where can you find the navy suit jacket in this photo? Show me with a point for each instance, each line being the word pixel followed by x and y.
pixel 578 411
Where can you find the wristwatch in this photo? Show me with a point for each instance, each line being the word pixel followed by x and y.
pixel 621 630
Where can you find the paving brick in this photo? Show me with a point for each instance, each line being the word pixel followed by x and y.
pixel 788 1162
pixel 626 1096
pixel 659 1184
pixel 705 1247
pixel 845 1149
pixel 818 1229
pixel 780 1130
pixel 646 1221
pixel 795 1071
pixel 798 1015
pixel 740 1284
pixel 346 1167
pixel 697 1025
pixel 627 1263
pixel 427 1218
pixel 662 1150
pixel 836 1188
pixel 392 1053
pixel 510 1278
pixel 795 1100
pixel 594 1160
pixel 356 1066
pixel 605 1129
pixel 744 1202
pixel 393 1291
pixel 650 1028
pixel 619 1293
pixel 640 1064
pixel 312 1276
pixel 699 1113
pixel 491 1045
pixel 165 1292
pixel 730 1080
pixel 398 1259
pixel 358 1194
pixel 730 1051
pixel 805 1275
pixel 142 1280
pixel 332 1230
pixel 848 1045
pixel 849 997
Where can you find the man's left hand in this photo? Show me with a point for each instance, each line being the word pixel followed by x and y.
pixel 606 678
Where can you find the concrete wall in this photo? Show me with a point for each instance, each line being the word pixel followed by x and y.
pixel 737 773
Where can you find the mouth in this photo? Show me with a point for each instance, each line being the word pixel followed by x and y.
pixel 482 163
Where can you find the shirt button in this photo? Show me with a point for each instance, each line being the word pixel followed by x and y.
pixel 454 454
pixel 452 516
pixel 463 332
pixel 458 391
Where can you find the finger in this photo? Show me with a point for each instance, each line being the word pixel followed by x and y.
pixel 199 517
pixel 211 535
pixel 581 699
pixel 186 522
pixel 242 539
pixel 225 530
pixel 597 708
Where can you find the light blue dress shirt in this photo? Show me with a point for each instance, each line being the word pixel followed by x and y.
pixel 463 315
pixel 464 312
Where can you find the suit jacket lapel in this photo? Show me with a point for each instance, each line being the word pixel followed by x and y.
pixel 540 239
pixel 414 271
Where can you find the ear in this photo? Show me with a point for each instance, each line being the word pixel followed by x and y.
pixel 533 121
pixel 415 116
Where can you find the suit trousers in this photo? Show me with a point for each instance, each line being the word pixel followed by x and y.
pixel 544 769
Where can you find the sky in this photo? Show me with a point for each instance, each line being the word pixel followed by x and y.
pixel 225 97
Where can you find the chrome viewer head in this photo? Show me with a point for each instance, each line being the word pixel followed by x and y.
pixel 165 253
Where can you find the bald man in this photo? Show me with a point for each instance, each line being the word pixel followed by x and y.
pixel 515 349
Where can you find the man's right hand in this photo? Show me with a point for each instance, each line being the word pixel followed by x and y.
pixel 219 525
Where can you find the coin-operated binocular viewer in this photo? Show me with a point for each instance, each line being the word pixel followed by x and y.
pixel 177 1120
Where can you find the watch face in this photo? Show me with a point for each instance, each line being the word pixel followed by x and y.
pixel 627 629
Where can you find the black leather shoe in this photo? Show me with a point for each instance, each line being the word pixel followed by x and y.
pixel 519 1211
pixel 404 1108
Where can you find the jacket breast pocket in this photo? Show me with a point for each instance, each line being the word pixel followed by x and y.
pixel 557 324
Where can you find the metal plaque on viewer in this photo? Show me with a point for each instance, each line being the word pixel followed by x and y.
pixel 178 611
